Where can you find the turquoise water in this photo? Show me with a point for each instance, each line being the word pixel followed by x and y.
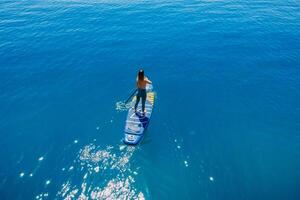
pixel 226 119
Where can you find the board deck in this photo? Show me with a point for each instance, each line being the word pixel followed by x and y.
pixel 137 123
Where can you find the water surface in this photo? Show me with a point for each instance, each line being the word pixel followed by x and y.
pixel 226 120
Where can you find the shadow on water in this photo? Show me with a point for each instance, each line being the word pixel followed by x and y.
pixel 146 140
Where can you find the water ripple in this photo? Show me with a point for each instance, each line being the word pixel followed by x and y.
pixel 110 164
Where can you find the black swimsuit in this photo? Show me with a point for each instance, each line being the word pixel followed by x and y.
pixel 141 94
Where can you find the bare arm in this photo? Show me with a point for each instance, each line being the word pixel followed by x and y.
pixel 148 81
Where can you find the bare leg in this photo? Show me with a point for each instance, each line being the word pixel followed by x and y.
pixel 143 104
pixel 136 102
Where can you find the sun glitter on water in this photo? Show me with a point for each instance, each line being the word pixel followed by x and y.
pixel 111 167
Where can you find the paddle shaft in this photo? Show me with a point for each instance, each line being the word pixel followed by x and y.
pixel 131 96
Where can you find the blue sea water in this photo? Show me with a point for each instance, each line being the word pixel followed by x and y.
pixel 226 119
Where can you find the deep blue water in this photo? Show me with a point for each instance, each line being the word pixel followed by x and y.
pixel 226 122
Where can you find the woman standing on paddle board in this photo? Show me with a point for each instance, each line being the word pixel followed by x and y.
pixel 141 82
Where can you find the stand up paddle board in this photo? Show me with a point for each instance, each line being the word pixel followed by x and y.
pixel 137 123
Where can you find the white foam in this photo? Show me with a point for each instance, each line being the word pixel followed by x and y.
pixel 121 106
pixel 211 178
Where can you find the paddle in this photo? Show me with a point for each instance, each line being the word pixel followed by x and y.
pixel 130 96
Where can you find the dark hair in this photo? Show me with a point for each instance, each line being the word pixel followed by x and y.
pixel 141 75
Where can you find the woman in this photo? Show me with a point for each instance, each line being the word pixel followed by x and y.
pixel 141 82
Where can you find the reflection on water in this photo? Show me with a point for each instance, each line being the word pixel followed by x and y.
pixel 111 164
